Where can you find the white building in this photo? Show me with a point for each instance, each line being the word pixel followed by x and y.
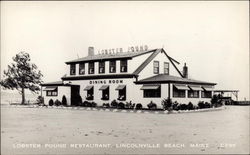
pixel 140 77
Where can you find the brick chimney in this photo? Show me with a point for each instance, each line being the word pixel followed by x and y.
pixel 91 51
pixel 185 71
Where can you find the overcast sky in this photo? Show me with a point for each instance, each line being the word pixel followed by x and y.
pixel 211 37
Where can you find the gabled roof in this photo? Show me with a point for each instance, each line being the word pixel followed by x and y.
pixel 122 55
pixel 152 56
pixel 163 78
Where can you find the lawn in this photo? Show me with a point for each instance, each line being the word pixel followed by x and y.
pixel 69 131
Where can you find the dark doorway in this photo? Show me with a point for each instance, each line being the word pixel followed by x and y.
pixel 75 96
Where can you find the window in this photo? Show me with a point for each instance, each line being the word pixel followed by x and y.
pixel 90 94
pixel 112 66
pixel 102 67
pixel 51 92
pixel 179 92
pixel 105 93
pixel 91 67
pixel 206 94
pixel 72 69
pixel 156 67
pixel 121 92
pixel 152 93
pixel 81 68
pixel 124 65
pixel 193 93
pixel 166 68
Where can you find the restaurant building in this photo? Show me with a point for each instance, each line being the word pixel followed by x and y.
pixel 140 76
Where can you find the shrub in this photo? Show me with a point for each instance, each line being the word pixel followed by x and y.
pixel 64 100
pixel 183 107
pixel 216 101
pixel 152 105
pixel 121 105
pixel 93 104
pixel 129 105
pixel 176 106
pixel 105 105
pixel 167 104
pixel 51 102
pixel 57 102
pixel 40 100
pixel 201 105
pixel 190 106
pixel 138 106
pixel 207 105
pixel 114 104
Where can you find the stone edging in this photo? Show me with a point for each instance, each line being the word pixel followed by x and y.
pixel 119 110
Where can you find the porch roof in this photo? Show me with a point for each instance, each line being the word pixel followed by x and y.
pixel 163 78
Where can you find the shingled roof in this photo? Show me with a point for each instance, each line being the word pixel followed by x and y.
pixel 163 78
pixel 121 55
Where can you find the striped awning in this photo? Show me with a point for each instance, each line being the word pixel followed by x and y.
pixel 104 87
pixel 50 88
pixel 207 88
pixel 146 87
pixel 120 87
pixel 195 88
pixel 88 87
pixel 181 87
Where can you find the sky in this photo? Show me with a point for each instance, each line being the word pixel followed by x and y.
pixel 211 37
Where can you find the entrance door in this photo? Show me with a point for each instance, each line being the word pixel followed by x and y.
pixel 75 96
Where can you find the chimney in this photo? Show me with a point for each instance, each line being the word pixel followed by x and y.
pixel 185 71
pixel 91 51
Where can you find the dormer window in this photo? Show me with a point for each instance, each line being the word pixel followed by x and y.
pixel 124 65
pixel 166 68
pixel 91 67
pixel 81 68
pixel 156 67
pixel 102 67
pixel 72 69
pixel 112 66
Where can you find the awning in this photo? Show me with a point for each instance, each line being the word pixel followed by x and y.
pixel 104 87
pixel 207 88
pixel 50 88
pixel 88 87
pixel 120 87
pixel 146 87
pixel 181 87
pixel 195 88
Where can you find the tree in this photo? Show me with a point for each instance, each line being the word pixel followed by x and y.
pixel 21 75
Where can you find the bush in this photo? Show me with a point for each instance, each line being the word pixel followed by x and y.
pixel 201 105
pixel 57 103
pixel 51 102
pixel 183 107
pixel 129 105
pixel 40 100
pixel 114 104
pixel 190 106
pixel 121 105
pixel 176 106
pixel 64 100
pixel 216 101
pixel 152 105
pixel 207 105
pixel 138 106
pixel 105 105
pixel 93 104
pixel 167 104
